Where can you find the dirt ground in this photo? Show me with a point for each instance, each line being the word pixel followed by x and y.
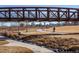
pixel 43 29
pixel 66 36
pixel 46 30
pixel 67 29
pixel 61 29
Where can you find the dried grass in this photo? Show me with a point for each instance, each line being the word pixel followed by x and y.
pixel 54 42
pixel 2 42
pixel 14 49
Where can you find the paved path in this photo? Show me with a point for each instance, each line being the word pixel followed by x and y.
pixel 34 48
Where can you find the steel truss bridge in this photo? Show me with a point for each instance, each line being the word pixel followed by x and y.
pixel 38 14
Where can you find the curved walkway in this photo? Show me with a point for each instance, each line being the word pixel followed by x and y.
pixel 34 48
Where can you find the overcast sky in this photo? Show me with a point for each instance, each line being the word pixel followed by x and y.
pixel 68 6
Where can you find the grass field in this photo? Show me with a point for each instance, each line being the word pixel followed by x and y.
pixel 51 41
pixel 44 29
pixel 67 29
pixel 3 42
pixel 14 49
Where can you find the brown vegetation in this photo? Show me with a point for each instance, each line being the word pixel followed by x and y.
pixel 2 42
pixel 14 49
pixel 53 42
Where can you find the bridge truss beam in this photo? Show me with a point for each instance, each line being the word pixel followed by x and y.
pixel 38 14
